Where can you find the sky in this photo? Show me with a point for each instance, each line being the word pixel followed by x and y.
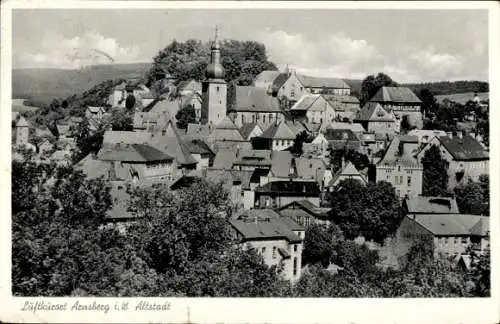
pixel 408 45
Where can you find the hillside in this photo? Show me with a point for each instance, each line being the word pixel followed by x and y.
pixel 437 88
pixel 43 85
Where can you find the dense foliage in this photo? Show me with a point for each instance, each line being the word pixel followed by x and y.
pixel 474 197
pixel 435 177
pixel 371 211
pixel 449 87
pixel 371 84
pixel 359 160
pixel 185 116
pixel 242 61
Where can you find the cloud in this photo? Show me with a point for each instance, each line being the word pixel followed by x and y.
pixel 336 54
pixel 88 49
pixel 435 65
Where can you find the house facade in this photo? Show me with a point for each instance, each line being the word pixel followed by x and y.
pixel 446 234
pixel 313 108
pixel 279 240
pixel 402 102
pixel 331 86
pixel 467 158
pixel 374 118
pixel 400 167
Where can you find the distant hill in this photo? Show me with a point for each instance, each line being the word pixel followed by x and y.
pixel 46 84
pixel 462 98
pixel 437 88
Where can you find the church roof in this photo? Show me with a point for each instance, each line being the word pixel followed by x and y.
pixel 254 99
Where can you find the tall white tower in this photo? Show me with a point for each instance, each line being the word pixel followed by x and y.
pixel 214 88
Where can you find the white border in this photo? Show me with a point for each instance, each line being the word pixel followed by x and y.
pixel 262 310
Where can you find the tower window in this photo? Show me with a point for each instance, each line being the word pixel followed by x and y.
pixel 218 88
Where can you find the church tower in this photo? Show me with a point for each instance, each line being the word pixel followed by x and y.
pixel 214 88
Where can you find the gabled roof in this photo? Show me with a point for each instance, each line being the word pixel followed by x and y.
pixel 161 105
pixel 279 81
pixel 431 205
pixel 306 205
pixel 265 224
pixel 247 128
pixel 226 123
pixel 92 167
pixel 253 99
pixel 254 157
pixel 279 131
pixel 395 94
pixel 349 170
pixel 198 147
pixel 374 112
pixel 318 82
pixel 266 77
pixel 311 102
pixel 309 168
pixel 224 159
pixel 132 153
pixel 96 109
pixel 465 148
pixel 115 137
pixel 453 224
pixel 174 146
pixel 21 122
pixel 401 151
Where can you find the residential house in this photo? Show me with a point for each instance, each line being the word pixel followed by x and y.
pixel 94 168
pixel 345 106
pixel 278 136
pixel 45 147
pixel 467 158
pixel 254 105
pixel 275 194
pixel 430 205
pixel 226 135
pixel 250 130
pixel 278 239
pixel 401 168
pixel 322 85
pixel 356 128
pixel 95 113
pixel 138 162
pixel 347 171
pixel 288 88
pixel 319 145
pixel 402 102
pixel 304 213
pixel 374 118
pixel 313 108
pixel 121 91
pixel 342 139
pixel 447 234
pixel 372 143
pixel 61 157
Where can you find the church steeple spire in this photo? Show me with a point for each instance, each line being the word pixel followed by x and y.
pixel 215 69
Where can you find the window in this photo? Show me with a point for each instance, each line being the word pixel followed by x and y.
pixel 274 252
pixel 292 94
pixel 409 181
pixel 398 192
pixel 263 250
pixel 218 88
pixel 264 118
pixel 457 240
pixel 399 168
pixel 465 240
pixel 242 121
pixel 295 247
pixel 295 266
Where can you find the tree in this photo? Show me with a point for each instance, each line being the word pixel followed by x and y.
pixel 372 211
pixel 130 102
pixel 473 197
pixel 371 84
pixel 298 143
pixel 119 120
pixel 435 177
pixel 320 243
pixel 242 61
pixel 186 116
pixel 429 103
pixel 359 160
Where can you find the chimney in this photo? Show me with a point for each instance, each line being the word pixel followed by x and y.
pixel 450 134
pixel 460 134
